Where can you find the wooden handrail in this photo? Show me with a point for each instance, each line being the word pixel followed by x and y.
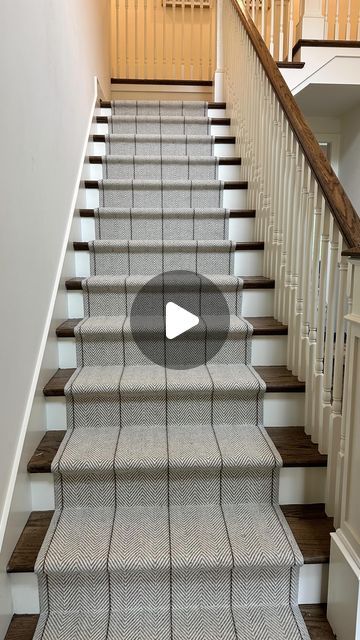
pixel 340 206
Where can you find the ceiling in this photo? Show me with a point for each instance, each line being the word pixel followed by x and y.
pixel 328 99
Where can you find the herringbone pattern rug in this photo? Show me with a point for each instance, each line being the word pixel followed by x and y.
pixel 167 524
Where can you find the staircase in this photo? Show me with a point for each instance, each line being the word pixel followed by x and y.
pixel 162 180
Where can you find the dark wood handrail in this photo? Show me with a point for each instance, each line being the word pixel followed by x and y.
pixel 340 206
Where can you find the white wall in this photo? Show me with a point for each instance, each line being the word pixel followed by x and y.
pixel 350 156
pixel 50 51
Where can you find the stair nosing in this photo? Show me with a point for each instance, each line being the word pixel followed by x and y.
pixel 101 137
pixel 239 246
pixel 225 121
pixel 21 566
pixel 319 461
pixel 67 328
pixel 250 283
pixel 233 213
pixel 55 386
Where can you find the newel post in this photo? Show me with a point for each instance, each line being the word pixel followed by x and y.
pixel 312 21
pixel 219 72
pixel 344 574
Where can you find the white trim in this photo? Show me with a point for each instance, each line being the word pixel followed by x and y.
pixel 30 399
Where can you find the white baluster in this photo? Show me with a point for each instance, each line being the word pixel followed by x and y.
pixel 337 21
pixel 263 19
pixel 272 27
pixel 154 44
pixel 173 40
pixel 358 27
pixel 136 39
pixel 145 40
pixel 219 73
pixel 335 426
pixel 329 341
pixel 182 65
pixel 281 31
pixel 291 30
pixel 320 338
pixel 127 48
pixel 348 22
pixel 219 17
pixel 164 53
pixel 326 21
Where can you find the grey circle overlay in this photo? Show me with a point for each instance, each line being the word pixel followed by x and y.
pixel 195 293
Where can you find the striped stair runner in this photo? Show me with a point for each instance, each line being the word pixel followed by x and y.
pixel 167 524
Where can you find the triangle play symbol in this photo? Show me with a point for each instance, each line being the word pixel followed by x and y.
pixel 178 320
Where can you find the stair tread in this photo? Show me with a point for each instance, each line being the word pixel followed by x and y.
pixel 276 378
pixel 317 624
pixel 263 326
pixel 309 525
pixel 250 282
pixel 239 246
pixel 22 627
pixel 233 213
pixel 294 446
pixel 311 528
pixel 101 137
pixel 143 118
pixel 106 104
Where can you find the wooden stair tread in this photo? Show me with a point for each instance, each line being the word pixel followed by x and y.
pixel 250 282
pixel 277 379
pixel 41 460
pixel 101 137
pixel 222 161
pixel 311 528
pixel 240 246
pixel 233 213
pixel 317 624
pixel 296 448
pixel 28 546
pixel 227 184
pixel 308 523
pixel 106 104
pixel 263 326
pixel 213 121
pixel 22 627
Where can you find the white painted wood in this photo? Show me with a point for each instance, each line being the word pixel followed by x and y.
pixel 257 302
pixel 280 410
pixel 248 263
pixel 266 351
pixel 302 485
pixel 312 587
pixel 344 590
pixel 298 485
pixel 313 583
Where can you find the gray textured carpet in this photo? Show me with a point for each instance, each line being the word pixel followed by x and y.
pixel 167 524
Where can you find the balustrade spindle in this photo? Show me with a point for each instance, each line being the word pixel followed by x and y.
pixel 358 26
pixel 291 30
pixel 263 19
pixel 173 40
pixel 136 37
pixel 348 22
pixel 154 43
pixel 182 64
pixel 272 27
pixel 281 31
pixel 192 41
pixel 326 21
pixel 164 41
pixel 305 280
pixel 337 21
pixel 320 337
pixel 329 340
pixel 201 38
pixel 145 71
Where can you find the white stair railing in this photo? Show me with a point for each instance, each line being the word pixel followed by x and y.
pixel 306 221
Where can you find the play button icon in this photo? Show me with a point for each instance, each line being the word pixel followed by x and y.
pixel 178 320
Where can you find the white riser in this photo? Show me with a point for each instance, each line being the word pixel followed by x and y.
pixel 266 351
pixel 232 198
pixel 256 303
pixel 221 150
pixel 211 113
pixel 249 263
pixel 280 410
pixel 225 172
pixel 312 588
pixel 102 128
pixel 240 229
pixel 298 485
pixel 246 263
